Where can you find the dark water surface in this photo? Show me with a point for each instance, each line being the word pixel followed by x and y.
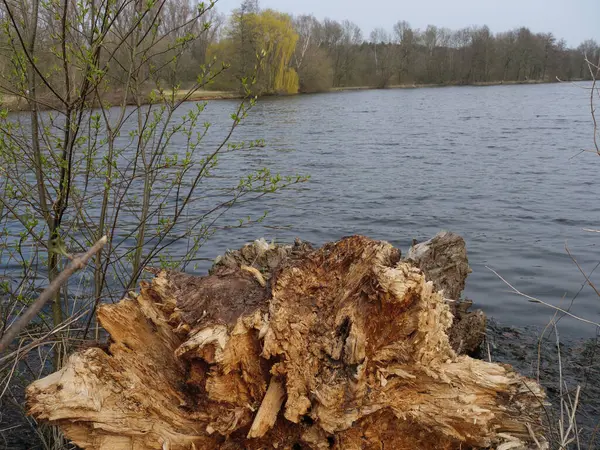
pixel 498 165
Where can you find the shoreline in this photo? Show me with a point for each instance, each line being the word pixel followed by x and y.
pixel 15 104
pixel 441 85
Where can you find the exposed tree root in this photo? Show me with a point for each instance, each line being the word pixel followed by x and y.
pixel 344 347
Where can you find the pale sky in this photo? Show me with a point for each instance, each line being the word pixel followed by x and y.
pixel 573 20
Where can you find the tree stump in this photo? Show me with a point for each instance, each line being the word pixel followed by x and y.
pixel 443 260
pixel 343 347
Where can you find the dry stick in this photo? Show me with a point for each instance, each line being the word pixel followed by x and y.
pixel 539 358
pixel 587 279
pixel 592 108
pixel 77 264
pixel 24 349
pixel 9 376
pixel 532 435
pixel 572 422
pixel 561 420
pixel 537 300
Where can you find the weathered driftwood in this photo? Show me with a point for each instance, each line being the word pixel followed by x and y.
pixel 443 260
pixel 344 347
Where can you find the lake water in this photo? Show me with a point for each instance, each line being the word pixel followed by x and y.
pixel 501 166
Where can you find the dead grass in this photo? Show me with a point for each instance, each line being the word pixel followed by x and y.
pixel 203 95
pixel 18 103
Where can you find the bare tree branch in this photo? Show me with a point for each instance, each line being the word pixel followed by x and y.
pixel 77 264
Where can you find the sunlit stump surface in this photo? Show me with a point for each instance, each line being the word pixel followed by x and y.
pixel 288 347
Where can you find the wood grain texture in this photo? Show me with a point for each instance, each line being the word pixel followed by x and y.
pixel 345 347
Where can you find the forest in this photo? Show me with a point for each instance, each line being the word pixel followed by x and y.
pixel 330 54
pixel 290 54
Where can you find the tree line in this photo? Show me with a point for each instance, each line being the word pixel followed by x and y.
pixel 328 54
pixel 300 54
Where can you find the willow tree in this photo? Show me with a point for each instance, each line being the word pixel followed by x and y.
pixel 268 39
pixel 277 37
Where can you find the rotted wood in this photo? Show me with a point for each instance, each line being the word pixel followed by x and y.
pixel 443 260
pixel 342 347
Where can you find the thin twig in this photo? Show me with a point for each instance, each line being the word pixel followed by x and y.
pixel 572 421
pixel 77 264
pixel 9 376
pixel 23 350
pixel 587 279
pixel 536 300
pixel 532 435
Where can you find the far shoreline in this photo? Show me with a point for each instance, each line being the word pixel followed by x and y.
pixel 15 104
pixel 225 95
pixel 442 85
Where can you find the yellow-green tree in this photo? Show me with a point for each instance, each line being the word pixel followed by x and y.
pixel 277 39
pixel 261 42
